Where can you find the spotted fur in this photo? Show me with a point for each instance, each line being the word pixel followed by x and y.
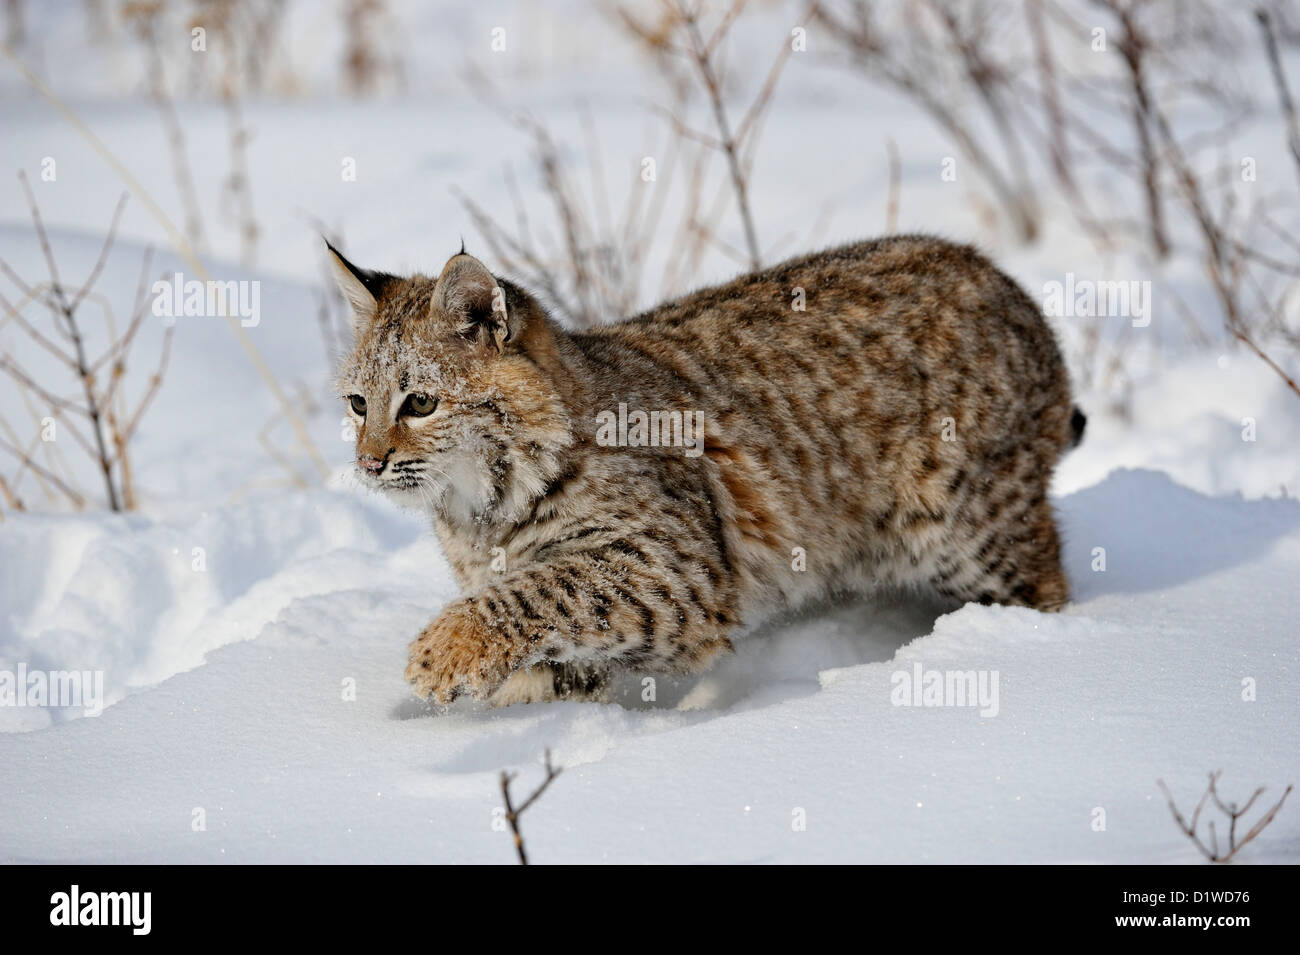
pixel 883 413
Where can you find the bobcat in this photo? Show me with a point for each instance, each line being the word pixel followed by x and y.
pixel 884 413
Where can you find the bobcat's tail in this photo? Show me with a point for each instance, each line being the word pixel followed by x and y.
pixel 1078 421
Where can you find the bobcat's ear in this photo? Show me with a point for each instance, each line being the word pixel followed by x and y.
pixel 469 293
pixel 360 287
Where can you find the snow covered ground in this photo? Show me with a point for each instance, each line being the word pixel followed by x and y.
pixel 251 635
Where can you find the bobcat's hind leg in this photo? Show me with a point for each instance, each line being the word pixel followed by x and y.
pixel 1016 561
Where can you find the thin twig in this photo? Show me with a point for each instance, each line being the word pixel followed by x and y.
pixel 895 176
pixel 50 476
pixel 702 56
pixel 513 813
pixel 69 316
pixel 1279 80
pixel 1231 810
pixel 186 250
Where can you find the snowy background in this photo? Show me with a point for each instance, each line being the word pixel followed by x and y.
pixel 230 686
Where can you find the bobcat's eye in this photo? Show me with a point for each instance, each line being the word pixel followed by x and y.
pixel 418 405
pixel 358 404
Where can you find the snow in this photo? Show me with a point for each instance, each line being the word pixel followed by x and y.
pixel 252 633
pixel 1139 678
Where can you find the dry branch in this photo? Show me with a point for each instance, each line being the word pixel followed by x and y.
pixel 144 16
pixel 100 404
pixel 591 264
pixel 1189 827
pixel 1134 46
pixel 916 58
pixel 184 248
pixel 1285 101
pixel 514 812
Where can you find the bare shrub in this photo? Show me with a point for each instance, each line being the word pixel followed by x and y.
pixel 97 414
pixel 938 54
pixel 588 262
pixel 1234 813
pixel 143 16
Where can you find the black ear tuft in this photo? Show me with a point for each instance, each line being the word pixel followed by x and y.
pixel 374 282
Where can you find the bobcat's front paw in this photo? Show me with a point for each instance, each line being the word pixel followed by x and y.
pixel 455 654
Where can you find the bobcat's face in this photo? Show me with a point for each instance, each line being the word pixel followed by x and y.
pixel 451 413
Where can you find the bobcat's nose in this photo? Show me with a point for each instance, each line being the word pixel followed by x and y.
pixel 370 464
